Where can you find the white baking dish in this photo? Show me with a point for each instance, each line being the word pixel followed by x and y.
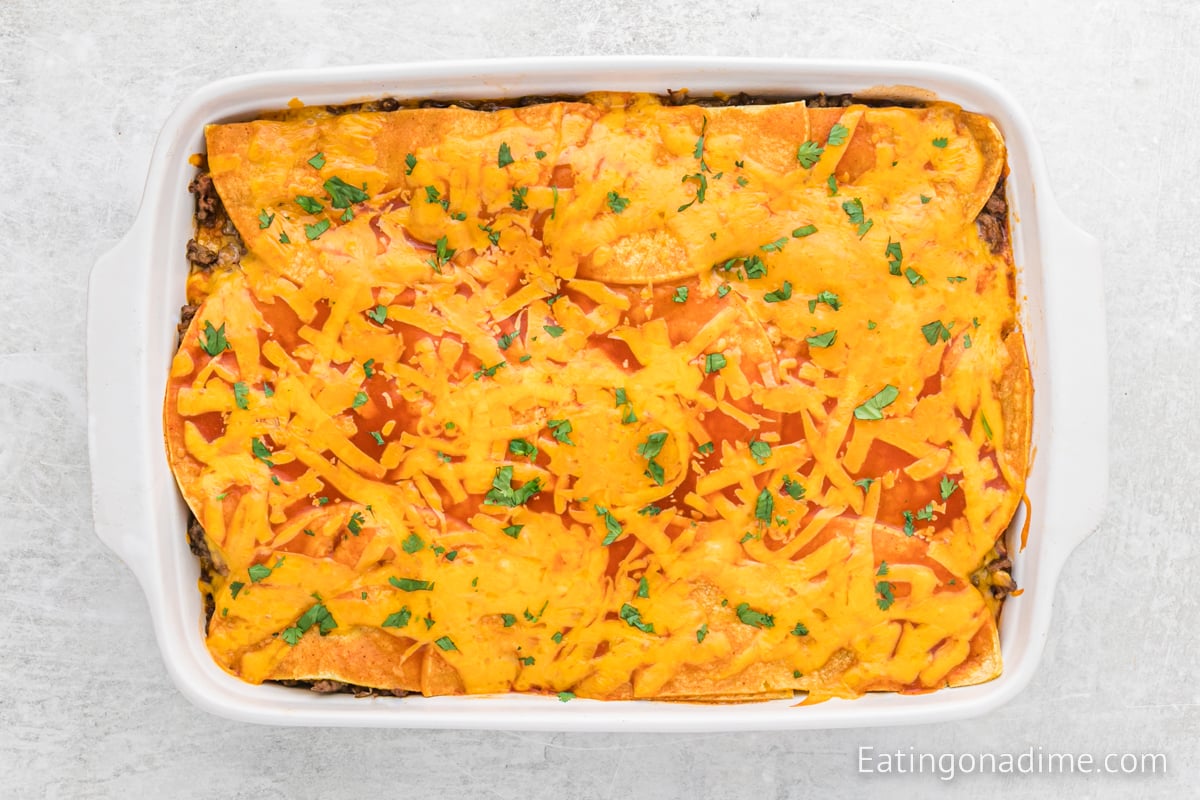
pixel 137 288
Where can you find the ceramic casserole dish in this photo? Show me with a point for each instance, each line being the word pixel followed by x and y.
pixel 137 288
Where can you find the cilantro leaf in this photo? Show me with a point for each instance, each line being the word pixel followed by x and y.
pixel 643 589
pixel 837 135
pixel 633 618
pixel 792 488
pixel 681 294
pixel 309 204
pixel 315 231
pixel 799 630
pixel 617 203
pixel 565 697
pixel 317 161
pixel 764 507
pixel 539 154
pixel 412 544
pixel 612 527
pixel 885 598
pixel 503 493
pixel 653 445
pixel 521 447
pixel 356 522
pixel 212 340
pixel 779 295
pixel 504 156
pixel 512 531
pixel 555 331
pixel 755 619
pixel 822 340
pixel 895 257
pixel 445 643
pixel 804 230
pixel 265 219
pixel 714 362
pixel 701 633
pixel 935 330
pixel 410 162
pixel 831 182
pixel 360 400
pixel 561 430
pixel 507 339
pixel 399 619
pixel 760 451
pixel 411 584
pixel 809 153
pixel 369 368
pixel 914 277
pixel 828 298
pixel 235 588
pixel 775 246
pixel 260 451
pixel 241 395
pixel 940 142
pixel 883 569
pixel 706 448
pixel 925 199
pixel 909 526
pixel 873 407
pixel 518 199
pixel 378 314
pixel 508 619
pixel 342 194
pixel 854 211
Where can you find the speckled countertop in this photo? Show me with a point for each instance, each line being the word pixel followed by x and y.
pixel 86 707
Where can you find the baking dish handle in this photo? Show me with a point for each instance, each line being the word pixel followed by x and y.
pixel 116 348
pixel 1074 294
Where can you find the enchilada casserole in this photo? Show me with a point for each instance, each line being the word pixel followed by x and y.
pixel 616 397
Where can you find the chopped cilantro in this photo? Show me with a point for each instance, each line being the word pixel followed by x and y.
pixel 705 449
pixel 799 630
pixel 865 483
pixel 315 231
pixel 554 330
pixel 681 294
pixel 309 204
pixel 714 362
pixel 410 162
pixel 837 135
pixel 909 526
pixel 831 182
pixel 512 531
pixel 792 488
pixel 445 643
pixel 925 199
pixel 935 330
pixel 260 451
pixel 633 618
pixel 723 289
pixel 356 522
pixel 399 619
pixel 539 154
pixel 378 437
pixel 506 340
pixel 940 142
pixel 883 569
pixel 701 632
pixel 822 340
pixel 521 447
pixel 854 211
pixel 504 156
pixel 235 588
pixel 212 340
pixel 809 153
pixel 873 407
pixel 804 230
pixel 828 298
pixel 914 277
pixel 411 584
pixel 378 314
pixel 760 450
pixel 755 619
pixel 649 511
pixel 412 544
pixel 265 219
pixel 775 246
pixel 565 697
pixel 779 295
pixel 561 430
pixel 369 368
pixel 764 507
pixel 885 598
pixel 643 589
pixel 518 199
pixel 241 395
pixel 360 400
pixel 503 493
pixel 342 194
pixel 895 257
pixel 617 203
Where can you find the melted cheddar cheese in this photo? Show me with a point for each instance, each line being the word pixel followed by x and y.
pixel 605 397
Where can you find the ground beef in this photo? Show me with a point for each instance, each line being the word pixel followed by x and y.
pixel 208 204
pixel 200 255
pixel 186 314
pixel 337 687
pixel 993 220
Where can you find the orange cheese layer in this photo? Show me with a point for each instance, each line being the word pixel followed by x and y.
pixel 605 397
